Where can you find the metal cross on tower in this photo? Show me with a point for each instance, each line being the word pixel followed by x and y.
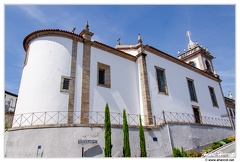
pixel 188 35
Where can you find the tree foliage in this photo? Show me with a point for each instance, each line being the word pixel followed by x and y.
pixel 107 126
pixel 142 139
pixel 126 144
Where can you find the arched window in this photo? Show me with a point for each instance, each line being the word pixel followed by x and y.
pixel 208 66
pixel 192 63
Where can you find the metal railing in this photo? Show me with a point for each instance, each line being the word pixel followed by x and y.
pixel 174 117
pixel 97 118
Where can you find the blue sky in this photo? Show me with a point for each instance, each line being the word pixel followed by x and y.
pixel 161 26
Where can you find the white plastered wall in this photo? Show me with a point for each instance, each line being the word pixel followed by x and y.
pixel 124 93
pixel 196 61
pixel 49 59
pixel 178 99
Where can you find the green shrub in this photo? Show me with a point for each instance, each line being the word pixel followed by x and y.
pixel 215 146
pixel 223 143
pixel 232 138
pixel 208 149
pixel 226 140
pixel 183 152
pixel 176 152
pixel 217 143
pixel 199 154
pixel 179 153
pixel 191 153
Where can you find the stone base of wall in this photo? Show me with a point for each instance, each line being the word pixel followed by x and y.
pixel 8 119
pixel 63 142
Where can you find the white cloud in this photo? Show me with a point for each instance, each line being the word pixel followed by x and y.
pixel 35 13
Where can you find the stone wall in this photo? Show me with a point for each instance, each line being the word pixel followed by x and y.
pixel 193 136
pixel 63 141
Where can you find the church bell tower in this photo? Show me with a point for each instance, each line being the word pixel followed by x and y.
pixel 197 56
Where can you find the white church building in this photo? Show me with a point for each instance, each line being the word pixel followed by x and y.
pixel 67 80
pixel 68 72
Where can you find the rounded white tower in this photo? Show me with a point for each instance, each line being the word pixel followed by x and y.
pixel 46 78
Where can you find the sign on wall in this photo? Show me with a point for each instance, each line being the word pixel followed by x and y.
pixel 87 141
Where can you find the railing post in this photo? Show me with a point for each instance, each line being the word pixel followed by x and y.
pixel 97 117
pixel 21 120
pixel 44 118
pixel 32 118
pixel 154 120
pixel 58 117
pixel 164 119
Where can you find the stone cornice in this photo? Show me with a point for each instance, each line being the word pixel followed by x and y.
pixel 179 62
pixel 207 56
pixel 193 52
pixel 128 47
pixel 50 32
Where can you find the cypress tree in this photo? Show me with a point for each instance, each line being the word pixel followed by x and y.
pixel 142 139
pixel 107 125
pixel 126 144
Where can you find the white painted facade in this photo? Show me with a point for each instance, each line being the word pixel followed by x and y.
pixel 196 62
pixel 49 58
pixel 124 93
pixel 178 99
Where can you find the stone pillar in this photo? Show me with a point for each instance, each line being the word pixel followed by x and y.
pixel 147 109
pixel 72 82
pixel 86 75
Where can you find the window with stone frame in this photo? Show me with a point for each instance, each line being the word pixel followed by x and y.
pixel 213 96
pixel 103 75
pixel 161 80
pixel 65 84
pixel 191 88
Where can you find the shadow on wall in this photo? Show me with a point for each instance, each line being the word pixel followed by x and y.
pixel 94 151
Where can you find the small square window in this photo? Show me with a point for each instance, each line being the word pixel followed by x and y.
pixel 104 75
pixel 101 77
pixel 65 84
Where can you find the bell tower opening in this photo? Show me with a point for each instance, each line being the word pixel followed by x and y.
pixel 209 67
